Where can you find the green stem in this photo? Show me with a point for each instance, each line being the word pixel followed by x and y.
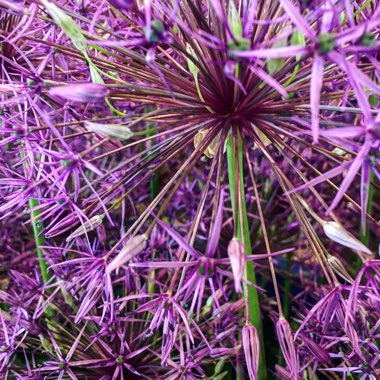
pixel 39 239
pixel 253 299
pixel 154 185
pixel 364 237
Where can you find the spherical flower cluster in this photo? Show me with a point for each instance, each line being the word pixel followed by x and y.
pixel 182 182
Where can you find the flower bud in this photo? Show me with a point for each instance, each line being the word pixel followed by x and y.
pixel 340 235
pixel 133 247
pixel 251 346
pixel 83 93
pixel 237 255
pixel 116 131
pixel 87 226
pixel 285 338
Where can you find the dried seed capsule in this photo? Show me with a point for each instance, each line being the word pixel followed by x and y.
pixel 340 235
pixel 87 226
pixel 133 247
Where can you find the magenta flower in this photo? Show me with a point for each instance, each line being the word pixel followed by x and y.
pixel 180 181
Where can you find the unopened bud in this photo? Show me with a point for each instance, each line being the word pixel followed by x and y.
pixel 115 131
pixel 285 338
pixel 237 255
pixel 133 247
pixel 340 235
pixel 251 346
pixel 83 93
pixel 87 226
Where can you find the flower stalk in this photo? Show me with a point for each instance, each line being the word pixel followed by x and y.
pixel 236 185
pixel 38 238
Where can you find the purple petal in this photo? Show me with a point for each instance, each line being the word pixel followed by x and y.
pixel 355 166
pixel 180 241
pixel 315 95
pixel 216 228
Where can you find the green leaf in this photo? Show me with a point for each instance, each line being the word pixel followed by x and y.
pixel 66 23
pixel 364 6
pixel 194 70
pixel 219 366
pixel 298 38
pixel 373 100
pixel 275 64
pixel 234 20
pixel 221 376
pixel 192 66
pixel 94 71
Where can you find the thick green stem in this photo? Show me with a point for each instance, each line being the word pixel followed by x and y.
pixel 241 219
pixel 39 240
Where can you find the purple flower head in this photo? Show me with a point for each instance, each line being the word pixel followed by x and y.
pixel 150 149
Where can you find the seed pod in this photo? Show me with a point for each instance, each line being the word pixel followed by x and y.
pixel 285 338
pixel 115 131
pixel 340 235
pixel 251 346
pixel 133 247
pixel 211 148
pixel 237 255
pixel 87 226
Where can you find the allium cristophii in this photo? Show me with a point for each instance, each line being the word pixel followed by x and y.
pixel 189 189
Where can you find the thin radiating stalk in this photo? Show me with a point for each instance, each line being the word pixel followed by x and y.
pixel 241 219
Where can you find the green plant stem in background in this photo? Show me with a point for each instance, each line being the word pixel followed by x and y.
pixel 154 186
pixel 364 237
pixel 39 240
pixel 253 299
pixel 154 182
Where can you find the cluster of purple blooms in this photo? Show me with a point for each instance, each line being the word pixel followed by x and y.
pixel 189 189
